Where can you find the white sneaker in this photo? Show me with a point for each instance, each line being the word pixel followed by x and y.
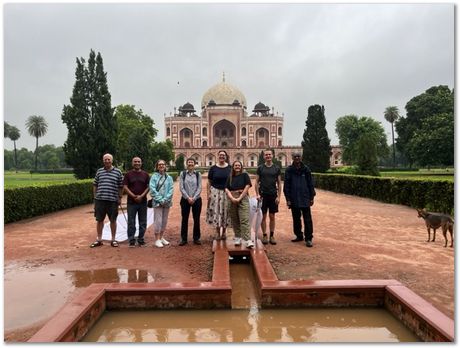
pixel 249 244
pixel 164 241
pixel 158 244
pixel 237 241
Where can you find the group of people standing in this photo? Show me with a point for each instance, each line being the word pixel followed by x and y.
pixel 227 193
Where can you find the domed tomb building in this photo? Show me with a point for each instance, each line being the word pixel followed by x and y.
pixel 225 123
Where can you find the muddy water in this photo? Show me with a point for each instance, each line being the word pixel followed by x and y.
pixel 35 294
pixel 247 323
pixel 278 325
pixel 244 290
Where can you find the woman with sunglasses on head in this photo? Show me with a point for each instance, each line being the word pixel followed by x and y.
pixel 237 188
pixel 217 213
pixel 161 190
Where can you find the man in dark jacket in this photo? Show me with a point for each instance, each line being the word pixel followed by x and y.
pixel 300 194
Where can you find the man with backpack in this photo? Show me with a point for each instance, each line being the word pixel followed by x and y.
pixel 268 188
pixel 190 188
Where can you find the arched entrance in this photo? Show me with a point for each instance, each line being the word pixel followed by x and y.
pixel 224 133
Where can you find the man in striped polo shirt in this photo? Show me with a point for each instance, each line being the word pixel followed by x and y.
pixel 107 192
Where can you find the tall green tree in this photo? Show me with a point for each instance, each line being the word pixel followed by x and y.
pixel 136 136
pixel 105 122
pixel 91 124
pixel 351 128
pixel 433 143
pixel 367 159
pixel 14 134
pixel 421 112
pixel 37 127
pixel 6 129
pixel 316 144
pixel 391 114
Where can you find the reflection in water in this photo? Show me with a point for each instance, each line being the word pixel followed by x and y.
pixel 34 294
pixel 109 275
pixel 268 325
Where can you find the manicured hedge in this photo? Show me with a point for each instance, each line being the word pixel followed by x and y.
pixel 25 202
pixel 434 195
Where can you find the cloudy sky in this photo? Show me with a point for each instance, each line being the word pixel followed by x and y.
pixel 351 58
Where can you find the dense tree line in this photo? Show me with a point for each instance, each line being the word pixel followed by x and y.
pixel 426 134
pixel 50 157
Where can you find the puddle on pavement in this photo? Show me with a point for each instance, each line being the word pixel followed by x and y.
pixel 35 294
pixel 267 325
pixel 247 323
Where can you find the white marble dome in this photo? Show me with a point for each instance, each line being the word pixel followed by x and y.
pixel 223 94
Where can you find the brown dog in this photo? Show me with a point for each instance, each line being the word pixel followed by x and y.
pixel 436 220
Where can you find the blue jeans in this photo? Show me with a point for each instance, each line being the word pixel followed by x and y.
pixel 141 210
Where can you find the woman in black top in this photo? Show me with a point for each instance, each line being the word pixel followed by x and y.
pixel 237 188
pixel 217 212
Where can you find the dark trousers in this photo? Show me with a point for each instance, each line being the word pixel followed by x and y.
pixel 196 212
pixel 307 222
pixel 141 210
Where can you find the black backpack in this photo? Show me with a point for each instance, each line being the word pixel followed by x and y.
pixel 196 174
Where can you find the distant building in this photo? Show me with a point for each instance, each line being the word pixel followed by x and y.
pixel 224 123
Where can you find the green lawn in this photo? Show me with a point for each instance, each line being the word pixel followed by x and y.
pixel 421 175
pixel 21 179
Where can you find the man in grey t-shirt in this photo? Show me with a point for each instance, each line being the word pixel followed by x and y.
pixel 268 188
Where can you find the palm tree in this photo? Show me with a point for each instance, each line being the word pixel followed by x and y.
pixel 14 135
pixel 391 115
pixel 37 127
pixel 6 129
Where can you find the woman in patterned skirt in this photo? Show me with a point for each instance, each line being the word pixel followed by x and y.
pixel 217 212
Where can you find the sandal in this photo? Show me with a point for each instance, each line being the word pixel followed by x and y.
pixel 114 243
pixel 95 244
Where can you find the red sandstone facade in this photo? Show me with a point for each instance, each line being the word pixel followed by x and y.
pixel 224 123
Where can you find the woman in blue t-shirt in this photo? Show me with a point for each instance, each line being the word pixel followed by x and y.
pixel 217 212
pixel 237 188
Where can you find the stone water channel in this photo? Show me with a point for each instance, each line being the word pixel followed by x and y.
pixel 245 302
pixel 246 322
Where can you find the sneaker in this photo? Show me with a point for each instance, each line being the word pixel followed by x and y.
pixel 297 239
pixel 309 243
pixel 265 239
pixel 182 242
pixel 164 241
pixel 197 242
pixel 249 244
pixel 272 240
pixel 132 243
pixel 237 241
pixel 141 243
pixel 158 243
